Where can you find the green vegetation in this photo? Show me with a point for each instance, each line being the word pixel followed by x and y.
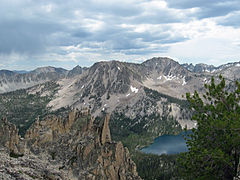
pixel 151 166
pixel 214 147
pixel 14 155
pixel 22 108
pixel 53 155
pixel 157 96
pixel 137 136
pixel 81 122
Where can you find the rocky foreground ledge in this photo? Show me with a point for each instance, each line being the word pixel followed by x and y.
pixel 77 147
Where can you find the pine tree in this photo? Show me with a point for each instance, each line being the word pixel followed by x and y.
pixel 214 146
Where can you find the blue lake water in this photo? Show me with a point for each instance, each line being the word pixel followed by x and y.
pixel 167 144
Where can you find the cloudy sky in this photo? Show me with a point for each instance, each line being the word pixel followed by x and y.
pixel 66 33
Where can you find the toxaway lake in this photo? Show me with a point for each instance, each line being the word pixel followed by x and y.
pixel 167 144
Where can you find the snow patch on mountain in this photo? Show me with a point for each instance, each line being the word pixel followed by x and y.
pixel 133 89
pixel 184 81
pixel 160 77
pixel 169 77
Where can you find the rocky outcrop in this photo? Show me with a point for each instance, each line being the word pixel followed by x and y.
pixel 28 168
pixel 76 147
pixel 9 137
pixel 105 136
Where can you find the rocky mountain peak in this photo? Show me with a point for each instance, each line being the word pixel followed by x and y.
pixel 200 68
pixel 106 78
pixel 76 71
pixel 48 69
pixel 159 61
pixel 165 65
pixel 107 65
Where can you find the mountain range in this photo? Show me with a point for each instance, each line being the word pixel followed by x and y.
pixel 144 100
pixel 151 73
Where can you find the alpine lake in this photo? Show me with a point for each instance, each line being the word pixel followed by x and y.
pixel 167 144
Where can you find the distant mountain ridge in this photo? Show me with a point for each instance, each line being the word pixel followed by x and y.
pixel 201 67
pixel 13 80
pixel 21 71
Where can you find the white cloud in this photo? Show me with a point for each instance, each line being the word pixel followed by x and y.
pixel 82 32
pixel 208 43
pixel 206 50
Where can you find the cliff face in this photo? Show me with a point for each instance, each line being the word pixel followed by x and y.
pixel 76 147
